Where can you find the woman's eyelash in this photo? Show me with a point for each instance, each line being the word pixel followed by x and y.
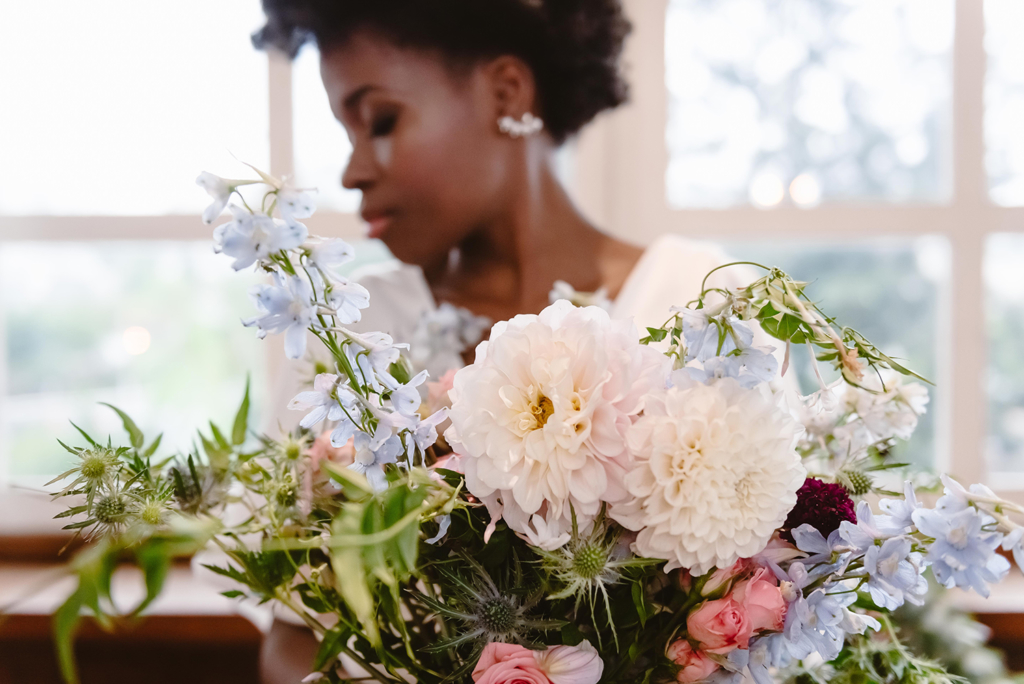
pixel 383 125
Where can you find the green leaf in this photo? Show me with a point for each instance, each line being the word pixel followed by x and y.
pixel 151 449
pixel 229 572
pixel 72 450
pixel 85 434
pixel 134 433
pixel 222 442
pixel 233 593
pixel 241 424
pixel 154 561
pixel 75 510
pixel 218 457
pixel 640 602
pixel 657 334
pixel 65 624
pixel 79 525
pixel 331 647
pixel 571 635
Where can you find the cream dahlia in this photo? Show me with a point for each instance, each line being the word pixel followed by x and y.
pixel 541 417
pixel 715 474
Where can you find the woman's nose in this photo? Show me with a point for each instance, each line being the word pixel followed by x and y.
pixel 361 171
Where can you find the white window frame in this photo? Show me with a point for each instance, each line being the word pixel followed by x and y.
pixel 621 185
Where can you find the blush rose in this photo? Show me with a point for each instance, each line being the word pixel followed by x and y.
pixel 721 626
pixel 508 664
pixel 762 599
pixel 695 665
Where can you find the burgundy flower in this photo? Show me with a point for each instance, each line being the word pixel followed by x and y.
pixel 822 505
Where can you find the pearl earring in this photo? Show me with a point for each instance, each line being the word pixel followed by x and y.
pixel 520 128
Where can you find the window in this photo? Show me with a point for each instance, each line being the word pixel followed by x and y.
pixel 1004 102
pixel 150 327
pixel 807 101
pixel 874 142
pixel 109 290
pixel 862 143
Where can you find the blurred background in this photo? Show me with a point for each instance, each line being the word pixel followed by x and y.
pixel 874 146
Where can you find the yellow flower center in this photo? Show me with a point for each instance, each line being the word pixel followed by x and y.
pixel 541 411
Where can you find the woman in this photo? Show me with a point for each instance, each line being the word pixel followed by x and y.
pixel 455 109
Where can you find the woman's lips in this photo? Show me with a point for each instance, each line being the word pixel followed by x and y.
pixel 377 224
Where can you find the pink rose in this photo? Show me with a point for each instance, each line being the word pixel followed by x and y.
pixel 437 392
pixel 761 597
pixel 696 666
pixel 508 664
pixel 323 450
pixel 720 626
pixel 512 664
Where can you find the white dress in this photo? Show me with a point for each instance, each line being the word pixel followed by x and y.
pixel 669 273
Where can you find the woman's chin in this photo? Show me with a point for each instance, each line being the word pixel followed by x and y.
pixel 416 250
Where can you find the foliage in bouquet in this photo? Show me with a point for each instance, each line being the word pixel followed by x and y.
pixel 601 507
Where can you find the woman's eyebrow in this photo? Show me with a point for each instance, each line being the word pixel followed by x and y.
pixel 351 101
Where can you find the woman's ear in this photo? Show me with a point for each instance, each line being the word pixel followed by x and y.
pixel 512 86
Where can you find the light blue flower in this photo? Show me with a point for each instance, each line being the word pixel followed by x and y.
pixel 900 512
pixel 445 521
pixel 750 367
pixel 709 333
pixel 821 550
pixel 1013 542
pixel 895 573
pixel 869 528
pixel 963 553
pixel 370 462
pixel 767 652
pixel 286 306
pixel 813 624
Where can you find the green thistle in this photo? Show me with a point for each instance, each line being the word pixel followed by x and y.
pixel 855 481
pixel 487 613
pixel 586 566
pixel 95 467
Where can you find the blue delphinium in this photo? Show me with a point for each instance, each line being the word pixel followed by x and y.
pixel 963 553
pixel 894 573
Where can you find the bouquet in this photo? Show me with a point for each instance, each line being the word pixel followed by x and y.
pixel 603 505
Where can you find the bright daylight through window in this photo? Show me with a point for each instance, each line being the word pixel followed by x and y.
pixel 806 101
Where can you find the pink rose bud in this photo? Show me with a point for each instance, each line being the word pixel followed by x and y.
pixel 512 664
pixel 696 665
pixel 508 664
pixel 720 626
pixel 761 597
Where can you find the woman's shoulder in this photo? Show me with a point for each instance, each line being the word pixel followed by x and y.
pixel 670 273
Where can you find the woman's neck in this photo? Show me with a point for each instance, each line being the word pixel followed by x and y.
pixel 509 265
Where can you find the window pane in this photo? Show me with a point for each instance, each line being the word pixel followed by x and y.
pixel 113 106
pixel 152 328
pixel 321 145
pixel 1004 286
pixel 890 291
pixel 808 101
pixel 1004 101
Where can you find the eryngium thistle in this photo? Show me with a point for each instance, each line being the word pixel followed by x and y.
pixel 856 482
pixel 586 566
pixel 487 613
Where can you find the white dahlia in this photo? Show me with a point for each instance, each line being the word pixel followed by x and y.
pixel 541 416
pixel 715 474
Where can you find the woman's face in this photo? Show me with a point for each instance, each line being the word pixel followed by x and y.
pixel 426 152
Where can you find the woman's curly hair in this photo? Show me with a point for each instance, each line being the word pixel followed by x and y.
pixel 572 46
